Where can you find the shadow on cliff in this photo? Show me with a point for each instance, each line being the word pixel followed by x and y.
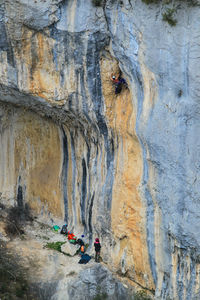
pixel 16 219
pixel 13 277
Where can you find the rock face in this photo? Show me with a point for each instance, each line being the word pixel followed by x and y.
pixel 93 282
pixel 122 167
pixel 70 249
pixel 53 275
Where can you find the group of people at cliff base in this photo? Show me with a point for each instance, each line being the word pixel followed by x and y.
pixel 72 239
pixel 119 82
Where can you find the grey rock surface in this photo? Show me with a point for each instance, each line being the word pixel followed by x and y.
pixel 94 282
pixel 168 128
pixel 169 136
pixel 69 248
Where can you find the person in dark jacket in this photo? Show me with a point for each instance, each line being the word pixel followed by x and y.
pixel 80 242
pixel 97 247
pixel 64 229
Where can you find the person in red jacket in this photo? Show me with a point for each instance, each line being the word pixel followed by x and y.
pixel 97 247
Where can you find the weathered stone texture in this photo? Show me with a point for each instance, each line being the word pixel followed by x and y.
pixel 126 167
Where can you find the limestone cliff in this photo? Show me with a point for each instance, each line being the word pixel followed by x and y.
pixel 124 167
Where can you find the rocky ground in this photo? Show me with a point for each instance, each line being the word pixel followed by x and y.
pixel 31 270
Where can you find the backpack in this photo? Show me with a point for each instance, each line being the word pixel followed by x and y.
pixel 84 259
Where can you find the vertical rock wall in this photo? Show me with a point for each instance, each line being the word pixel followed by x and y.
pixel 159 59
pixel 31 158
pixel 128 214
pixel 126 167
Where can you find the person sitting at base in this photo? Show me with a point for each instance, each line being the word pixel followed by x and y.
pixel 64 229
pixel 97 247
pixel 82 250
pixel 118 82
pixel 80 242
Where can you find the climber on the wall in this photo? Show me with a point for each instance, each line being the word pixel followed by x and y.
pixel 118 82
